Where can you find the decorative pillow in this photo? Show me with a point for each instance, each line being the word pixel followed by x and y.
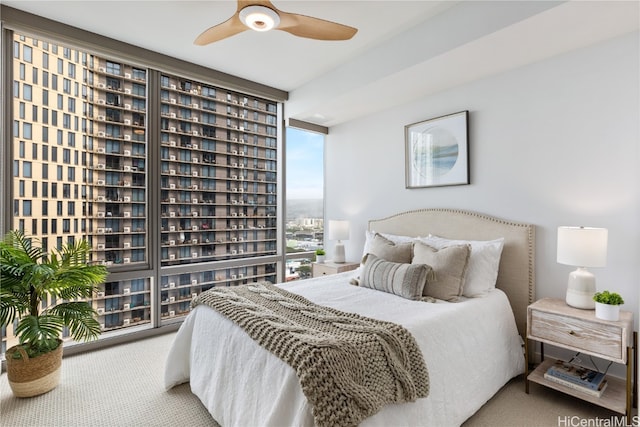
pixel 395 238
pixel 405 280
pixel 484 263
pixel 388 250
pixel 449 265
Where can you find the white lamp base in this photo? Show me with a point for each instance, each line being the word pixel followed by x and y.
pixel 580 289
pixel 338 253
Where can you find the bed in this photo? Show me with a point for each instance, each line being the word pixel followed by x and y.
pixel 471 347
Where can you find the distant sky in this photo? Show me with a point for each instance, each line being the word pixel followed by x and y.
pixel 305 151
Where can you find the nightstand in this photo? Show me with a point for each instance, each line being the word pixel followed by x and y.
pixel 328 267
pixel 552 321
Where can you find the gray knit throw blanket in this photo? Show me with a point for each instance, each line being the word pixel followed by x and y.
pixel 349 366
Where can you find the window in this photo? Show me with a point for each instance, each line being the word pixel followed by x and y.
pixel 26 207
pixel 305 199
pixel 27 53
pixel 27 92
pixel 27 131
pixel 218 177
pixel 26 169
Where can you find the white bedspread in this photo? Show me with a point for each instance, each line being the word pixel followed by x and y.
pixel 471 349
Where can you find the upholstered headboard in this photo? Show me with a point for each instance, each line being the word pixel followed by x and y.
pixel 516 276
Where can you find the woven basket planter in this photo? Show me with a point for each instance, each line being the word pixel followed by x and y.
pixel 32 377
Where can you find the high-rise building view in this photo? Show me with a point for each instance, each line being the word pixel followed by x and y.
pixel 172 181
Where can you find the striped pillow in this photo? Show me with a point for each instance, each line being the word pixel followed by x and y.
pixel 405 280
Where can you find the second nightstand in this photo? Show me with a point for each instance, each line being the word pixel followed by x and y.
pixel 328 267
pixel 553 322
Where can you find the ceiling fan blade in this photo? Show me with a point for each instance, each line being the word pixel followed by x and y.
pixel 228 28
pixel 314 28
pixel 244 3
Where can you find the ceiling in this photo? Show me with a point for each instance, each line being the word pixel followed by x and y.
pixel 403 50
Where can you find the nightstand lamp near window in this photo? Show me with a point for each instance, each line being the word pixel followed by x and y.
pixel 582 247
pixel 338 230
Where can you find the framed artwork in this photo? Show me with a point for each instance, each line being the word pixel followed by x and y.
pixel 437 151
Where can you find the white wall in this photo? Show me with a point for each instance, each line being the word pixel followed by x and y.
pixel 553 143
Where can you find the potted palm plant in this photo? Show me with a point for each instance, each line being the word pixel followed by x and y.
pixel 31 278
pixel 608 305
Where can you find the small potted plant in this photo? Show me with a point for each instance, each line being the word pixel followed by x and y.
pixel 30 276
pixel 320 256
pixel 608 305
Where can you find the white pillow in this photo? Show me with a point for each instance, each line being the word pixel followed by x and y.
pixel 484 262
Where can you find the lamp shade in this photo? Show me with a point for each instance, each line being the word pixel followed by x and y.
pixel 338 230
pixel 582 246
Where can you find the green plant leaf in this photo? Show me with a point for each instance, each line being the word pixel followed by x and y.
pixel 606 297
pixel 29 275
pixel 32 329
pixel 79 317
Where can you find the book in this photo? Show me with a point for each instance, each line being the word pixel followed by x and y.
pixel 576 374
pixel 574 386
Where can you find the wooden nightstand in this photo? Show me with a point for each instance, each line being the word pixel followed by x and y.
pixel 328 267
pixel 552 321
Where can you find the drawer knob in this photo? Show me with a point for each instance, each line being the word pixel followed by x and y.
pixel 571 333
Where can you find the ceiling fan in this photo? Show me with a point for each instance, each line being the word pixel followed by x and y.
pixel 262 15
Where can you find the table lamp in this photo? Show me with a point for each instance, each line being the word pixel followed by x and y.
pixel 338 230
pixel 582 247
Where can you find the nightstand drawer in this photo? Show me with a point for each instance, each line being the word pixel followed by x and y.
pixel 596 338
pixel 323 269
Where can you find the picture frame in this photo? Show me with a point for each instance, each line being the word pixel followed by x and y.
pixel 437 151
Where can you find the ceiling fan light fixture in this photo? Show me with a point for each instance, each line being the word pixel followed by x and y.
pixel 259 18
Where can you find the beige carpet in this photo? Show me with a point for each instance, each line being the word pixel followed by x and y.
pixel 118 386
pixel 542 407
pixel 122 386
